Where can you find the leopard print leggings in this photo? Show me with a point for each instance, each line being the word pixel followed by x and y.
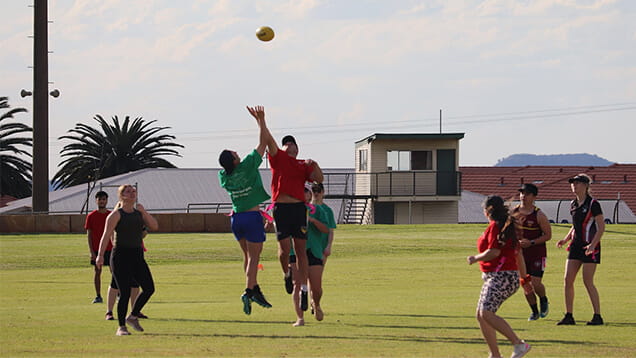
pixel 498 286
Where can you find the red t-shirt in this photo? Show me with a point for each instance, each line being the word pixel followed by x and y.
pixel 96 222
pixel 507 259
pixel 288 175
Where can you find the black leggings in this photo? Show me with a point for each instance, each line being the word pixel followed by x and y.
pixel 129 267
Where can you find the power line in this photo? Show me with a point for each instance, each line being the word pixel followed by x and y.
pixel 419 123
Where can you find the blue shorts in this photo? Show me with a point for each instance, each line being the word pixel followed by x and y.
pixel 248 225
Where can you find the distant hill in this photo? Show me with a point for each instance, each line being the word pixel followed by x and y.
pixel 582 159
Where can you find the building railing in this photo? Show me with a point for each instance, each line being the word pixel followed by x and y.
pixel 393 183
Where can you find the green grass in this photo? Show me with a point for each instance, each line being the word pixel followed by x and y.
pixel 390 291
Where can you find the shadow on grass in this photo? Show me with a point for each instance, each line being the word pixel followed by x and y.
pixel 315 337
pixel 361 337
pixel 382 337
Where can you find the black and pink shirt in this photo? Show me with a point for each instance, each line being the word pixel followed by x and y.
pixel 583 220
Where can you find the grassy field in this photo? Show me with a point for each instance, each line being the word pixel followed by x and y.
pixel 390 291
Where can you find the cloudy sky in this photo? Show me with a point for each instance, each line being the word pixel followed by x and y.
pixel 531 76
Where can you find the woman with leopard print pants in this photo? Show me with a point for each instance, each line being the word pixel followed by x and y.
pixel 501 262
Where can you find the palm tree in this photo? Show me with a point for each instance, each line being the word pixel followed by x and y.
pixel 116 149
pixel 15 171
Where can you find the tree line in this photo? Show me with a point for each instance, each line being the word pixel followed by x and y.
pixel 93 151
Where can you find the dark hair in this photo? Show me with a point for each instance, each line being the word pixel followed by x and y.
pixel 317 187
pixel 498 212
pixel 226 159
pixel 287 139
pixel 101 194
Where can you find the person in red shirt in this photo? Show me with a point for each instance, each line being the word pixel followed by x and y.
pixel 94 225
pixel 501 262
pixel 289 175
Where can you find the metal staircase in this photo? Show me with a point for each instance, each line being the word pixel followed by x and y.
pixel 355 210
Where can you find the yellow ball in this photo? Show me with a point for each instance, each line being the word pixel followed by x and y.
pixel 265 33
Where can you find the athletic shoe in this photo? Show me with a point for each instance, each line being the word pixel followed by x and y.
pixel 289 283
pixel 134 323
pixel 98 299
pixel 122 331
pixel 568 320
pixel 141 315
pixel 520 350
pixel 545 308
pixel 303 300
pixel 597 320
pixel 258 297
pixel 109 316
pixel 533 316
pixel 247 304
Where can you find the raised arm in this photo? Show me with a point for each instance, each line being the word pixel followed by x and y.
pixel 316 174
pixel 265 137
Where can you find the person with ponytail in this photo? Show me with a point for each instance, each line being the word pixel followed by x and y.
pixel 128 221
pixel 242 180
pixel 588 226
pixel 503 270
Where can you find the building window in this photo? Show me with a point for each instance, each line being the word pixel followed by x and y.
pixel 402 160
pixel 362 160
pixel 422 160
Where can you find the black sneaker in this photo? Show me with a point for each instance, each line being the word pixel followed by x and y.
pixel 533 316
pixel 545 307
pixel 247 304
pixel 597 320
pixel 289 283
pixel 98 299
pixel 568 320
pixel 258 297
pixel 303 300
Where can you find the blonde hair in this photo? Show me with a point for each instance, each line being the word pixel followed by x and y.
pixel 120 192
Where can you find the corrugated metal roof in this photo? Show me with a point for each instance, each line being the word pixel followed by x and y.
pixel 165 190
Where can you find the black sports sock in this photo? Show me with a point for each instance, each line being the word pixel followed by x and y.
pixel 534 308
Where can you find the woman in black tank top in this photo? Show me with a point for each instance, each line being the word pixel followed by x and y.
pixel 127 261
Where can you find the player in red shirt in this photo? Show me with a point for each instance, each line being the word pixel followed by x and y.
pixel 501 262
pixel 290 214
pixel 94 225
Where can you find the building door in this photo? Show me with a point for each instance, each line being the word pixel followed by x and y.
pixel 384 213
pixel 446 172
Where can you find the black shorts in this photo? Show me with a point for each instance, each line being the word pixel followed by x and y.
pixel 313 260
pixel 577 252
pixel 291 220
pixel 535 266
pixel 106 259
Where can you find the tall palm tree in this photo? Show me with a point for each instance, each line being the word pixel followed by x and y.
pixel 116 149
pixel 15 171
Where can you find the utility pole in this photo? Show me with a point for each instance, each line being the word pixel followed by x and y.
pixel 40 201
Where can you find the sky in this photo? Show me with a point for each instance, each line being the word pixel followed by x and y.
pixel 515 76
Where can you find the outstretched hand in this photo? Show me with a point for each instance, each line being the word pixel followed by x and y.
pixel 257 112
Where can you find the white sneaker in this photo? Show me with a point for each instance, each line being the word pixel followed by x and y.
pixel 520 350
pixel 134 322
